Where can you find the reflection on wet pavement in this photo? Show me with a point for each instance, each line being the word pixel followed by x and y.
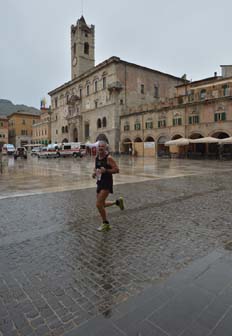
pixel 34 176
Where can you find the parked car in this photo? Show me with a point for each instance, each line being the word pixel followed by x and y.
pixel 20 152
pixel 8 149
pixel 35 151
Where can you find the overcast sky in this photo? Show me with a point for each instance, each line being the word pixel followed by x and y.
pixel 173 36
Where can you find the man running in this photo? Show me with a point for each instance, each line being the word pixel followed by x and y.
pixel 105 166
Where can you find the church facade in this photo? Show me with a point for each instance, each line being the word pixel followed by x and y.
pixel 92 104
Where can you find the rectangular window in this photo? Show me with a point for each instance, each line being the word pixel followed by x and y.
pixel 194 119
pixel 177 121
pixel 86 130
pixel 156 91
pixel 24 122
pixel 104 82
pixel 225 89
pixel 56 102
pixel 96 104
pixel 149 125
pixel 137 126
pixel 142 88
pixel 95 86
pixel 126 127
pixel 87 90
pixel 220 116
pixel 161 123
pixel 80 93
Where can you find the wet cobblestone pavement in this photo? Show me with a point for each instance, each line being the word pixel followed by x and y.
pixel 57 271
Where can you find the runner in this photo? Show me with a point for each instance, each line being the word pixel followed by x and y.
pixel 105 166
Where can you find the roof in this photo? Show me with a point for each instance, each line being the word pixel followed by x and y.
pixel 202 81
pixel 28 113
pixel 113 59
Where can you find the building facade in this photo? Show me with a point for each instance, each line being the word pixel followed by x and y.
pixel 41 130
pixel 20 127
pixel 199 109
pixel 90 106
pixel 3 131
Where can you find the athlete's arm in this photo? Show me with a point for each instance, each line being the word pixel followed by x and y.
pixel 114 167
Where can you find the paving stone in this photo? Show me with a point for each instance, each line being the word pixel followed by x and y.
pixel 55 263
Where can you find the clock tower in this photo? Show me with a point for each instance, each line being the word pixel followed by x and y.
pixel 82 47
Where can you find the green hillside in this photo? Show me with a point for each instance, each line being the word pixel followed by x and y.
pixel 7 107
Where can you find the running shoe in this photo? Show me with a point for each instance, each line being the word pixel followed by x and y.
pixel 120 203
pixel 104 227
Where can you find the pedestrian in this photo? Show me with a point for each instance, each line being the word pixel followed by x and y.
pixel 105 167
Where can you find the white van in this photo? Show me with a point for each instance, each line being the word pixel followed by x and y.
pixel 8 149
pixel 74 149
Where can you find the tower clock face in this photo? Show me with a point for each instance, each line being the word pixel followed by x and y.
pixel 74 62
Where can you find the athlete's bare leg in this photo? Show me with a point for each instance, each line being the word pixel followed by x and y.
pixel 101 202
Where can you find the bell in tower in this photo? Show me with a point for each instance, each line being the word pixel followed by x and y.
pixel 82 47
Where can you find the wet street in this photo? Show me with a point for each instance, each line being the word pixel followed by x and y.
pixel 58 273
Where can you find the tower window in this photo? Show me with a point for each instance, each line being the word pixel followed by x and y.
pixel 104 122
pixel 86 48
pixel 74 48
pixel 99 123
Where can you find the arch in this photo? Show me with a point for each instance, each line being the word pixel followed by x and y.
pixel 162 139
pixel 98 123
pixel 162 150
pixel 75 135
pixel 196 136
pixel 102 137
pixel 138 139
pixel 176 136
pixel 220 135
pixel 64 140
pixel 86 48
pixel 149 139
pixel 104 122
pixel 127 146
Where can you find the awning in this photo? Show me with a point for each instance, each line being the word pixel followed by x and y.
pixel 177 142
pixel 205 140
pixel 226 141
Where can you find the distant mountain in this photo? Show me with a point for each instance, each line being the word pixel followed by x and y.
pixel 7 107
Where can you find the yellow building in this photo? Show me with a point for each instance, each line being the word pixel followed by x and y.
pixel 199 109
pixel 41 130
pixel 3 131
pixel 20 127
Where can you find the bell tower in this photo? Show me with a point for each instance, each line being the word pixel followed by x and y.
pixel 82 47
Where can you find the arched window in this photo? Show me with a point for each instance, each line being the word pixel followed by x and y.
pixel 66 129
pixel 99 123
pixel 104 122
pixel 86 48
